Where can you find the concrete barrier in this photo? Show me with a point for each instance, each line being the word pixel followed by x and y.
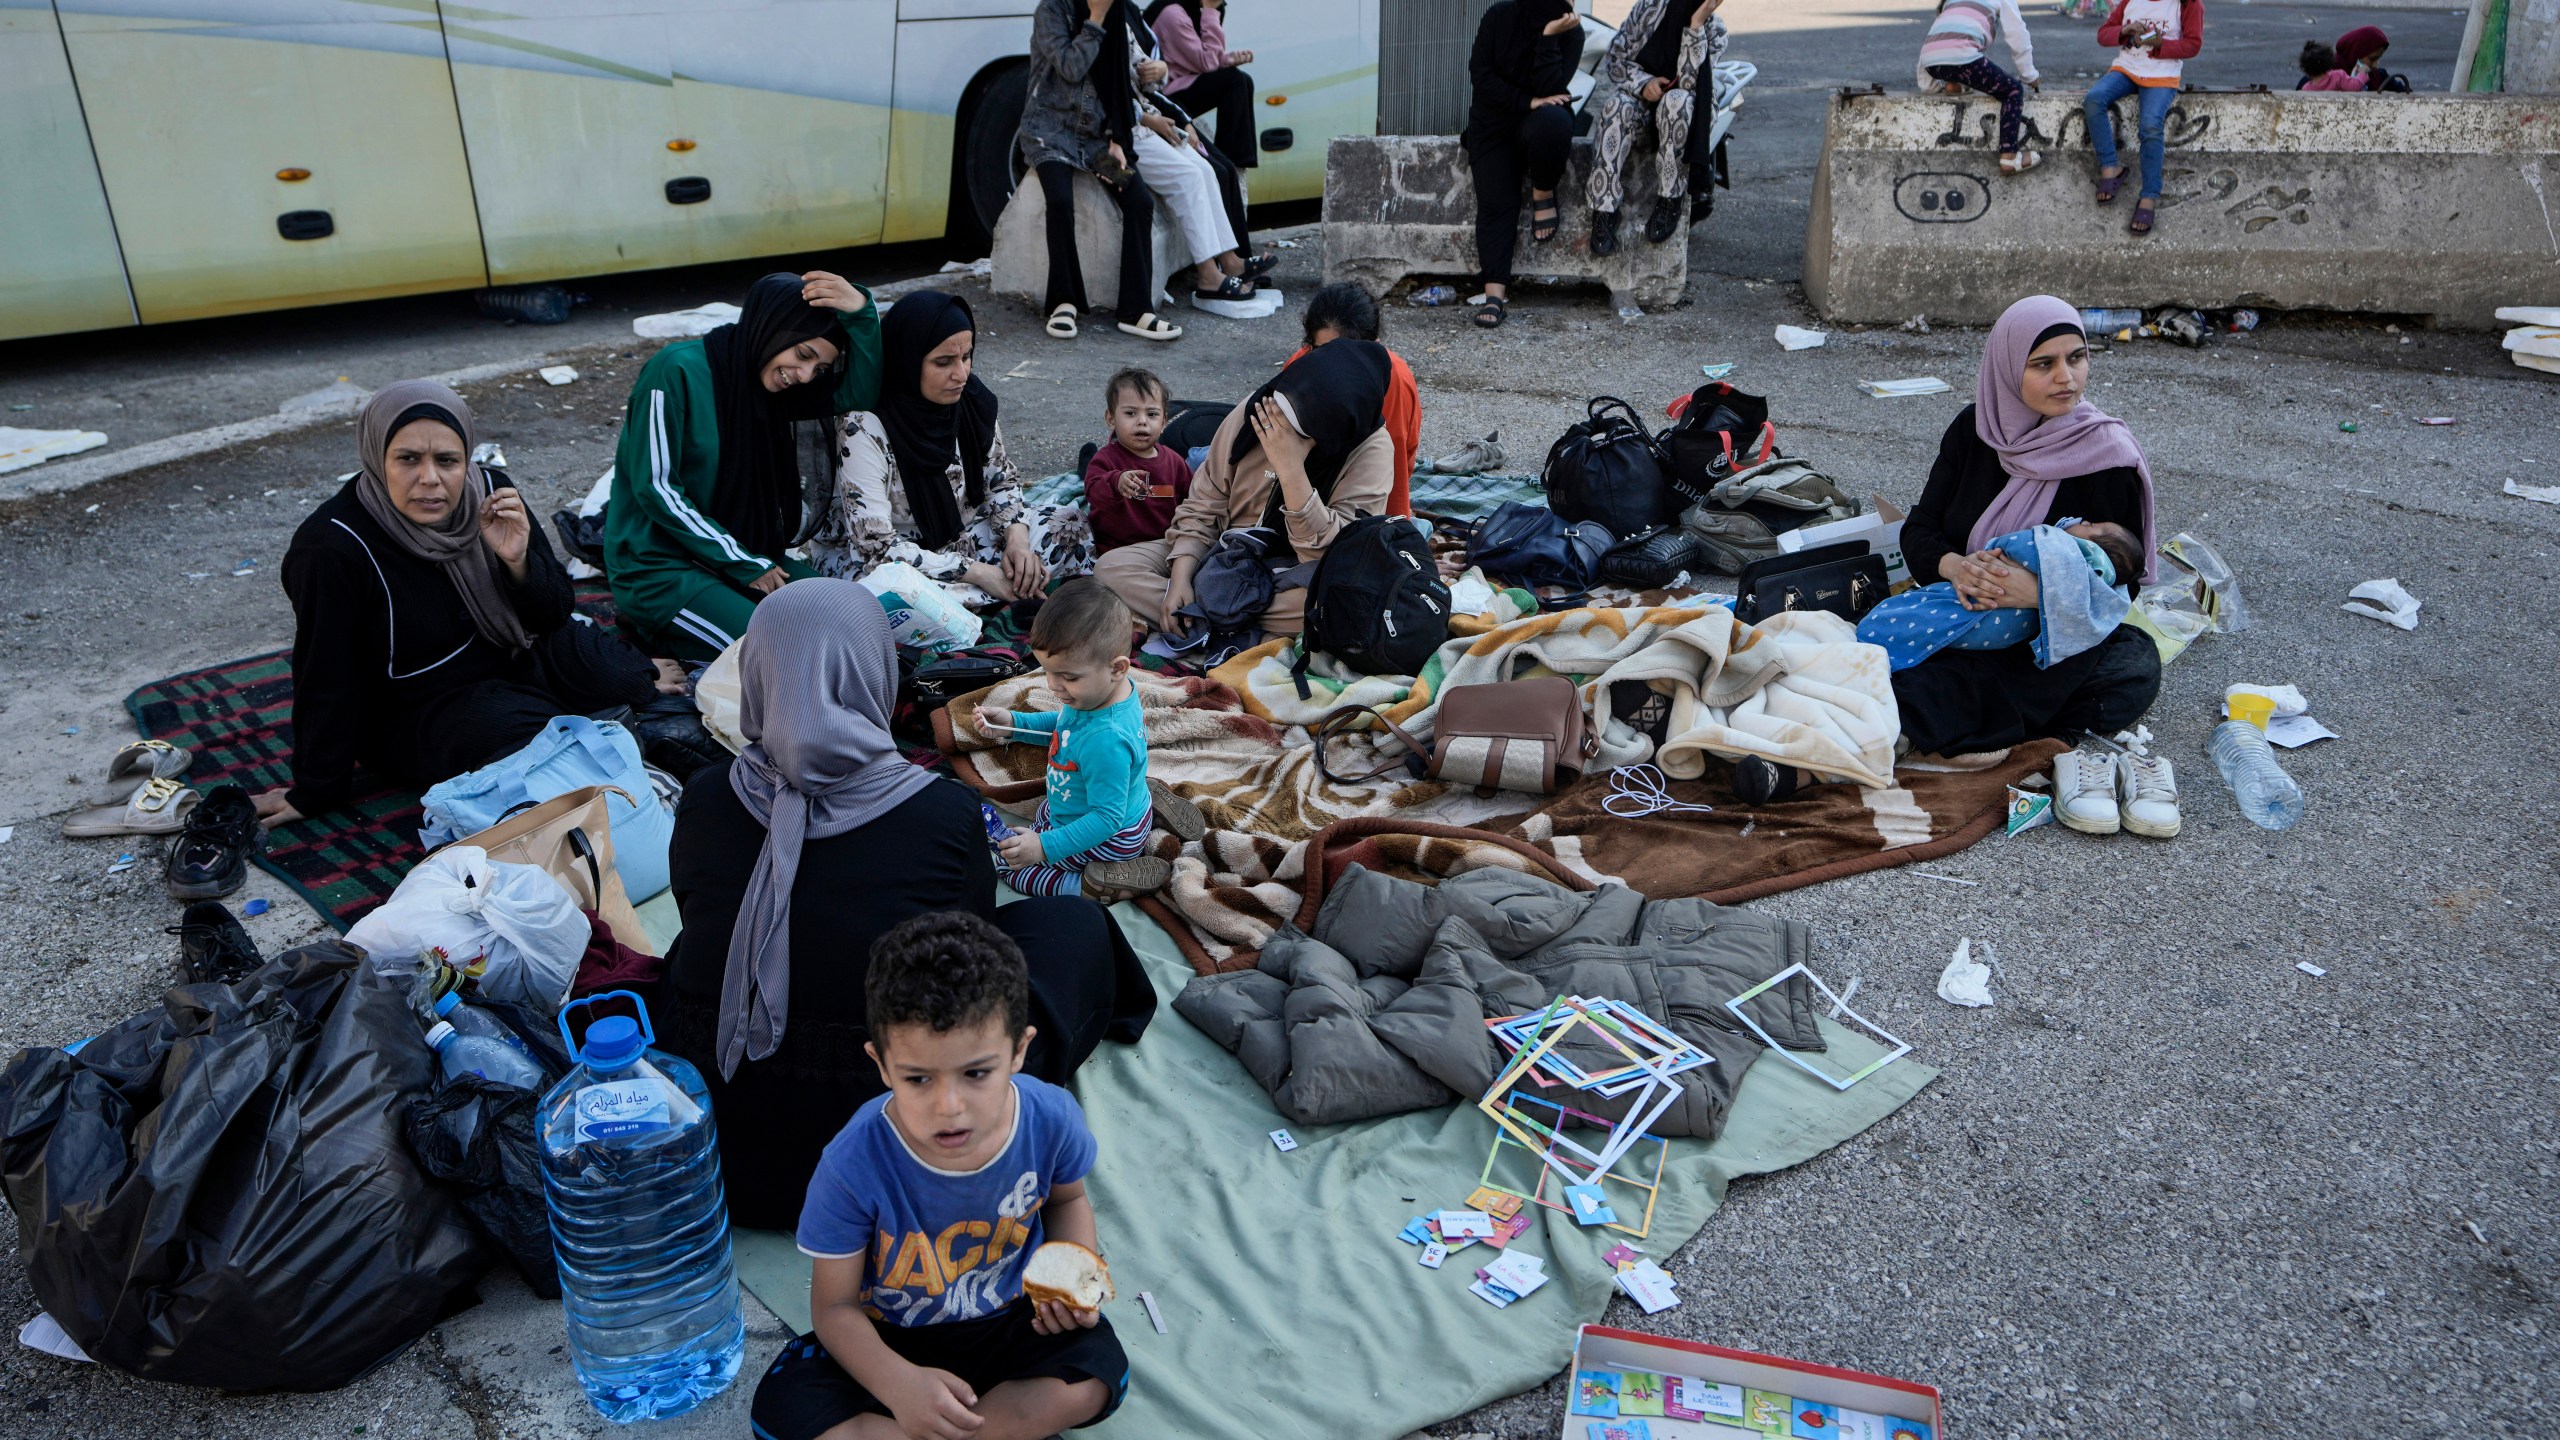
pixel 1398 205
pixel 2438 205
pixel 1018 265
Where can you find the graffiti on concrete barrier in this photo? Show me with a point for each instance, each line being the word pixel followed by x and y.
pixel 1941 197
pixel 2272 205
pixel 2181 129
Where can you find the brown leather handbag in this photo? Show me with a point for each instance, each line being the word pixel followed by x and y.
pixel 1524 735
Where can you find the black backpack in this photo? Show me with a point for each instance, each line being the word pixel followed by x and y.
pixel 1720 431
pixel 1607 469
pixel 1376 602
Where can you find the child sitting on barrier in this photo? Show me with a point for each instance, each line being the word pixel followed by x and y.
pixel 1132 486
pixel 1956 55
pixel 2320 70
pixel 1917 624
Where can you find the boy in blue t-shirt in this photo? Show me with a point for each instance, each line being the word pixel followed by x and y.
pixel 925 1207
pixel 1094 822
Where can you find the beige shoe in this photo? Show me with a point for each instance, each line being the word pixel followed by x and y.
pixel 160 807
pixel 1176 813
pixel 1127 879
pixel 142 760
pixel 2147 796
pixel 2084 791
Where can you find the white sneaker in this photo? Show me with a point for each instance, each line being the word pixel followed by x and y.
pixel 2084 791
pixel 2147 793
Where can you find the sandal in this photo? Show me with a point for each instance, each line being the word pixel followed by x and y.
pixel 1491 313
pixel 2108 185
pixel 1175 812
pixel 143 760
pixel 1233 289
pixel 1127 879
pixel 1151 326
pixel 2143 210
pixel 1543 220
pixel 2024 161
pixel 159 807
pixel 1062 322
pixel 1261 265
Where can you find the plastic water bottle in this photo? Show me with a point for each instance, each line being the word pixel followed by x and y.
pixel 2266 794
pixel 2108 322
pixel 461 1054
pixel 473 1022
pixel 1433 295
pixel 639 1224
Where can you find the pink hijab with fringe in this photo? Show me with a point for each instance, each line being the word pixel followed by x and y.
pixel 2040 452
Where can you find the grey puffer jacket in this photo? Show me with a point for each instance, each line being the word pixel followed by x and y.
pixel 1062 115
pixel 1382 1009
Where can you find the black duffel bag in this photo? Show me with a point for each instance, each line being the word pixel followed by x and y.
pixel 1606 469
pixel 1846 579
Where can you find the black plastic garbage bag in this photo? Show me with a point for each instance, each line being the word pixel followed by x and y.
pixel 479 1137
pixel 216 1192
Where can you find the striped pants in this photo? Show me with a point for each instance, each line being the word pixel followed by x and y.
pixel 1064 874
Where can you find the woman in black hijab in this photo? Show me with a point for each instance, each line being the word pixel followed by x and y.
pixel 1081 113
pixel 1306 455
pixel 707 482
pixel 923 478
pixel 1519 125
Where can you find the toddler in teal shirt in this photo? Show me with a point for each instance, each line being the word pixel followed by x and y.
pixel 1094 823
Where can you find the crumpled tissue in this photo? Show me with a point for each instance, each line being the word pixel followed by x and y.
pixel 2385 601
pixel 1966 981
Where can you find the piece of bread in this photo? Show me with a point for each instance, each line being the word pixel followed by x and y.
pixel 1068 1273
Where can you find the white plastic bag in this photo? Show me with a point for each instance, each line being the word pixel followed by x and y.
pixel 511 927
pixel 921 613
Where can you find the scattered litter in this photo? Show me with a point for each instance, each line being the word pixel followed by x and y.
pixel 46 1334
pixel 343 394
pixel 2243 321
pixel 1630 313
pixel 2184 327
pixel 1916 325
pixel 1281 1140
pixel 2295 731
pixel 685 324
pixel 1795 337
pixel 1148 1299
pixel 2307 968
pixel 1966 981
pixel 1636 791
pixel 1432 295
pixel 2534 346
pixel 2347 425
pixel 245 567
pixel 2530 314
pixel 1944 879
pixel 1717 371
pixel 22 448
pixel 256 907
pixel 558 374
pixel 5 832
pixel 123 863
pixel 2476 1232
pixel 199 574
pixel 982 267
pixel 1895 389
pixel 2435 420
pixel 1285 244
pixel 91 510
pixel 2027 810
pixel 2385 601
pixel 22 407
pixel 2544 494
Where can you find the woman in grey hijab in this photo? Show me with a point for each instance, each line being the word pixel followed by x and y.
pixel 790 862
pixel 433 626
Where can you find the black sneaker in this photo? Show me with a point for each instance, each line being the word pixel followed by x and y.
pixel 1604 233
pixel 212 945
pixel 1758 781
pixel 1664 222
pixel 210 857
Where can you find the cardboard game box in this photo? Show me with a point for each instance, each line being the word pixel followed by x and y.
pixel 1824 1400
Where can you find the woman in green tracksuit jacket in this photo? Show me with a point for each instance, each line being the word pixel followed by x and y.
pixel 706 491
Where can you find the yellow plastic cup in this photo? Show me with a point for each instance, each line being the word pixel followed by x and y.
pixel 2256 709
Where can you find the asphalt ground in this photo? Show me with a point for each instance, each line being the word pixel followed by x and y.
pixel 2170 1184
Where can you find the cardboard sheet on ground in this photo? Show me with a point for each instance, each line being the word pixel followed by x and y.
pixel 1291 1308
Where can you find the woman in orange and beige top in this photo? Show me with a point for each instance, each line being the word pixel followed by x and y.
pixel 2152 39
pixel 1306 455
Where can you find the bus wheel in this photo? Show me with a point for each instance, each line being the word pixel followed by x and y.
pixel 982 156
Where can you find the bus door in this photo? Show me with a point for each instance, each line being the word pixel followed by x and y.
pixel 273 152
pixel 610 135
pixel 59 270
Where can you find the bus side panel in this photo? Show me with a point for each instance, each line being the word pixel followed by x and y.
pixel 1319 58
pixel 579 115
pixel 193 116
pixel 936 61
pixel 59 268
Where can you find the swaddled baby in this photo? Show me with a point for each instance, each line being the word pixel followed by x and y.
pixel 2076 565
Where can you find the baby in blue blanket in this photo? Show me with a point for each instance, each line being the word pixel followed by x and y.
pixel 2075 563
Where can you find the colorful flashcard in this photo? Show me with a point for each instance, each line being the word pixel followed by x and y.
pixel 1812 1420
pixel 1648 1286
pixel 1622 1255
pixel 1900 1429
pixel 1500 1204
pixel 1465 1225
pixel 1595 1392
pixel 1619 1430
pixel 1590 1207
pixel 1283 1141
pixel 1506 1231
pixel 1433 1254
pixel 1492 1294
pixel 1862 1425
pixel 1702 1399
pixel 1639 1393
pixel 1766 1411
pixel 1416 1231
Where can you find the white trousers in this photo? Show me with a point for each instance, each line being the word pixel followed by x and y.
pixel 1188 190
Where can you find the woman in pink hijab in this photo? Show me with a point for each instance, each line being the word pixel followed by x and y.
pixel 2030 450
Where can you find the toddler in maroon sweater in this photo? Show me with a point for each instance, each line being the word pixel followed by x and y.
pixel 1131 486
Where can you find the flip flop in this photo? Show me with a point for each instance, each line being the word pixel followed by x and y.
pixel 1261 265
pixel 143 760
pixel 2108 185
pixel 1151 326
pixel 1062 322
pixel 159 807
pixel 2143 212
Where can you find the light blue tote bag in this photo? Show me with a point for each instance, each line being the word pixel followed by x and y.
pixel 572 752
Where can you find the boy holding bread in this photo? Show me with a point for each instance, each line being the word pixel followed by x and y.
pixel 939 1313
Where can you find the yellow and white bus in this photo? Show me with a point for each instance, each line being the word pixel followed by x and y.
pixel 175 159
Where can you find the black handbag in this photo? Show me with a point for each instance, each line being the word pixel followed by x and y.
pixel 1652 559
pixel 1846 579
pixel 1606 469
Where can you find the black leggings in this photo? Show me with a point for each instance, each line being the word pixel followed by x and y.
pixel 1137 242
pixel 1228 94
pixel 1231 198
pixel 1536 149
pixel 578 669
pixel 1960 701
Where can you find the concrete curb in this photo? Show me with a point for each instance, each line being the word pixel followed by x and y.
pixel 55 478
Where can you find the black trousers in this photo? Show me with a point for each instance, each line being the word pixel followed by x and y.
pixel 1231 198
pixel 1137 242
pixel 1535 149
pixel 1958 701
pixel 577 669
pixel 1228 95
